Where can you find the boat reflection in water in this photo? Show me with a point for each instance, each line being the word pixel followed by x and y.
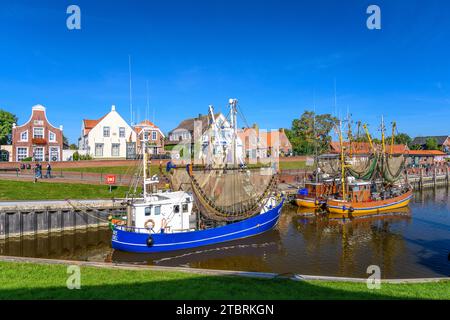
pixel 245 254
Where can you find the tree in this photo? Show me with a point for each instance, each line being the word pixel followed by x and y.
pixel 73 146
pixel 65 140
pixel 6 121
pixel 311 131
pixel 401 138
pixel 431 144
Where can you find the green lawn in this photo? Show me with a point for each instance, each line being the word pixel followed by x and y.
pixel 285 165
pixel 27 190
pixel 39 281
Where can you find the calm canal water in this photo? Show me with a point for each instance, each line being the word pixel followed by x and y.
pixel 413 242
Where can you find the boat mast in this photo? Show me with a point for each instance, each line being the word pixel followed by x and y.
pixel 394 126
pixel 341 143
pixel 233 122
pixel 383 144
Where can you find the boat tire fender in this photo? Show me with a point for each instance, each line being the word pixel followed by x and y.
pixel 149 241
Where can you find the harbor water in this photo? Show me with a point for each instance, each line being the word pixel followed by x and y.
pixel 409 243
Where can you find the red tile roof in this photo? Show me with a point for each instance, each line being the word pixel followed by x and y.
pixel 364 148
pixel 426 153
pixel 90 124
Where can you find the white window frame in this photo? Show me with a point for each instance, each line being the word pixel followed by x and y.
pixel 50 133
pixel 26 139
pixel 113 148
pixel 17 153
pixel 122 130
pixel 109 132
pixel 43 132
pixel 154 135
pixel 102 149
pixel 50 153
pixel 43 153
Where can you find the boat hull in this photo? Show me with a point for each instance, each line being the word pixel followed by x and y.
pixel 373 207
pixel 131 241
pixel 306 203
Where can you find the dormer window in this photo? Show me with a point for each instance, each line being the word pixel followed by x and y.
pixel 24 136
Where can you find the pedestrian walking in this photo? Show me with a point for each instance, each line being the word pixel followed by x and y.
pixel 48 174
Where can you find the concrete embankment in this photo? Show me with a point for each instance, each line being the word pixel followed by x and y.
pixel 23 218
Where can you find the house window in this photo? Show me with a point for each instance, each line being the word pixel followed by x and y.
pixel 22 153
pixel 115 150
pixel 106 132
pixel 54 153
pixel 146 135
pixel 153 135
pixel 24 136
pixel 38 154
pixel 99 149
pixel 38 132
pixel 122 132
pixel 52 136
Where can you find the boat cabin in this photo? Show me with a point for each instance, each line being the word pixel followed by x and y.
pixel 164 212
pixel 319 189
pixel 359 191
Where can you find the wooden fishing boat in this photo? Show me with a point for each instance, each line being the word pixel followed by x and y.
pixel 361 200
pixel 315 194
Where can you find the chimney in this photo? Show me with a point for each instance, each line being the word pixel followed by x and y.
pixel 61 127
pixel 113 108
pixel 199 115
pixel 14 126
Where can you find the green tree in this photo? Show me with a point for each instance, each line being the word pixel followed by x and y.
pixel 73 146
pixel 311 130
pixel 401 138
pixel 431 144
pixel 6 121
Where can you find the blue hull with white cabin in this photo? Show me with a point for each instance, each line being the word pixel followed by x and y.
pixel 137 239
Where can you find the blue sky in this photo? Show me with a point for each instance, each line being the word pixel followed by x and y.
pixel 274 56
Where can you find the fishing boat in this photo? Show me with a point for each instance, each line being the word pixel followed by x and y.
pixel 314 194
pixel 381 191
pixel 213 203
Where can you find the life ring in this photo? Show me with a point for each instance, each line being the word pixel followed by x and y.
pixel 149 222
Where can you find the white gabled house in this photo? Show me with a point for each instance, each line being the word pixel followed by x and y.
pixel 108 137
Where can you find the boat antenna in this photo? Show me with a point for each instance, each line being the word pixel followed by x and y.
pixel 131 96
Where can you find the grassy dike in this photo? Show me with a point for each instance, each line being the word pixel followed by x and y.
pixel 44 281
pixel 27 190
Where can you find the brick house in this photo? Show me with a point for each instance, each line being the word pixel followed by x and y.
pixel 37 138
pixel 154 136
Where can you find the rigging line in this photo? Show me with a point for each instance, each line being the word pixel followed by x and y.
pixel 131 96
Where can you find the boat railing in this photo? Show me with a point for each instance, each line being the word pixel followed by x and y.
pixel 134 229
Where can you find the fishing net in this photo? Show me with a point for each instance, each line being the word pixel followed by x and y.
pixel 393 167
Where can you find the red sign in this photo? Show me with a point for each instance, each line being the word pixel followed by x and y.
pixel 110 179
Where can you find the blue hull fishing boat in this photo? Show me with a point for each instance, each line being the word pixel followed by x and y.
pixel 222 201
pixel 141 240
